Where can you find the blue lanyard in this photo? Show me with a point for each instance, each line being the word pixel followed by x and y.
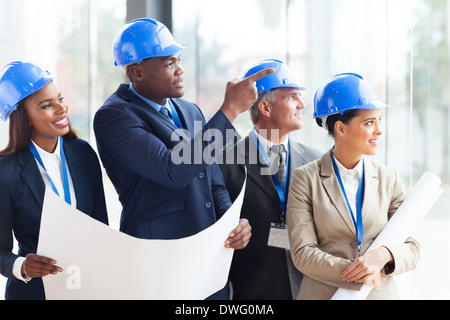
pixel 175 117
pixel 282 191
pixel 64 169
pixel 359 201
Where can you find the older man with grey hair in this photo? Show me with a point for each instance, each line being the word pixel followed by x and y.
pixel 264 269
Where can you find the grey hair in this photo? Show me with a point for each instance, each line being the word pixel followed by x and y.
pixel 266 96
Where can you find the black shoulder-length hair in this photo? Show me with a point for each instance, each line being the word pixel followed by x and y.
pixel 20 131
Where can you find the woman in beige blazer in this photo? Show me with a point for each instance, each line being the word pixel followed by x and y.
pixel 338 204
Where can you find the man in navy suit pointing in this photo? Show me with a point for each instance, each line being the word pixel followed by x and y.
pixel 162 198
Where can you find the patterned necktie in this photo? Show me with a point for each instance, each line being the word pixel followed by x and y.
pixel 280 151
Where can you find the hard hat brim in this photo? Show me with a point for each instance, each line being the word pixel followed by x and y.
pixel 292 85
pixel 335 110
pixel 166 52
pixel 32 88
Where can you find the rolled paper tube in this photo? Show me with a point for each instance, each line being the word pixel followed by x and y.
pixel 402 224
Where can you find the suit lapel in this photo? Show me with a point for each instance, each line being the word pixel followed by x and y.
pixel 371 196
pixel 265 182
pixel 336 196
pixel 80 176
pixel 296 158
pixel 255 166
pixel 332 188
pixel 185 119
pixel 129 96
pixel 31 175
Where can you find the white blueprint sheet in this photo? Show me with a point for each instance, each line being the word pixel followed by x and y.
pixel 102 263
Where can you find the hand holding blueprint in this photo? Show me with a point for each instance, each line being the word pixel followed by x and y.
pixel 402 224
pixel 102 263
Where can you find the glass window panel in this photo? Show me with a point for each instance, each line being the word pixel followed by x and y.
pixel 222 41
pixel 429 140
pixel 73 38
pixel 401 46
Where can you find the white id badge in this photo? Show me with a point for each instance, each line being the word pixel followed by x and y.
pixel 278 236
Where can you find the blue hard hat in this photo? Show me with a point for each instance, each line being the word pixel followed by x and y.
pixel 345 91
pixel 281 78
pixel 18 80
pixel 141 39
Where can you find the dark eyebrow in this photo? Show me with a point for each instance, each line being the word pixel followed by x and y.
pixel 171 58
pixel 371 119
pixel 48 100
pixel 45 100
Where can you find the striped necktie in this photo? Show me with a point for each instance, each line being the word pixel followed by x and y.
pixel 280 151
pixel 165 112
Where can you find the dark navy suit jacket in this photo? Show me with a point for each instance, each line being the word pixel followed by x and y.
pixel 21 198
pixel 161 198
pixel 261 272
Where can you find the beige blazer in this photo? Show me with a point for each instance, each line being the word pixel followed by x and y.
pixel 322 234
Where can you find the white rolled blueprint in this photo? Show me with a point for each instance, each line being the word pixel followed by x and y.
pixel 402 224
pixel 101 263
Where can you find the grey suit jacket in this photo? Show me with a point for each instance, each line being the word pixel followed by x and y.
pixel 322 234
pixel 260 272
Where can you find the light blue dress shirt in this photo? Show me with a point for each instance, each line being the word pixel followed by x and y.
pixel 154 105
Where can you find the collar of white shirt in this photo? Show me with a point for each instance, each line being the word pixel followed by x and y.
pixel 355 172
pixel 350 179
pixel 266 144
pixel 53 165
pixel 47 156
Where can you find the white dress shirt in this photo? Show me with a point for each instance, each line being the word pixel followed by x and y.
pixel 53 164
pixel 266 145
pixel 350 180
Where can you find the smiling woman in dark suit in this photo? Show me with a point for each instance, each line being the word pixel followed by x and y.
pixel 43 151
